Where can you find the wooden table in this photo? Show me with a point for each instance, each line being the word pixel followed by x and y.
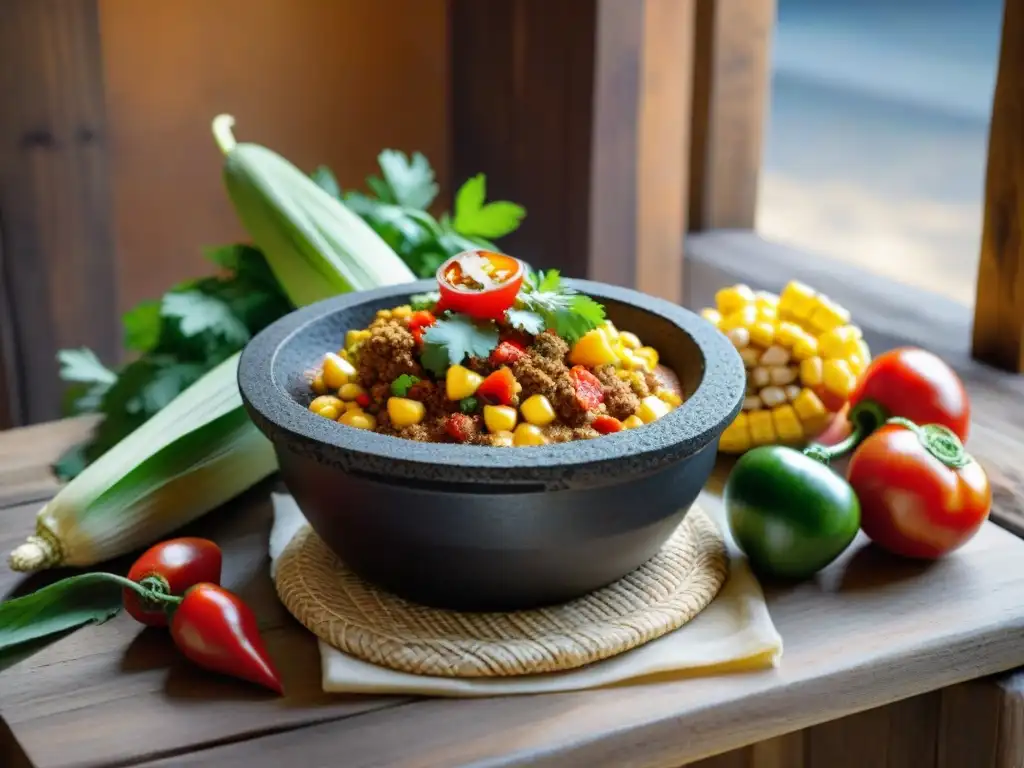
pixel 870 632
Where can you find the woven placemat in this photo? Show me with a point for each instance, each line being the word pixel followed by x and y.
pixel 376 626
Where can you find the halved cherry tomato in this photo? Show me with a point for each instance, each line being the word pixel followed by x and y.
pixel 588 388
pixel 481 284
pixel 921 495
pixel 606 425
pixel 171 567
pixel 499 388
pixel 507 352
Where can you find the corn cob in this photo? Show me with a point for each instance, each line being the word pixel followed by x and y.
pixel 201 449
pixel 803 358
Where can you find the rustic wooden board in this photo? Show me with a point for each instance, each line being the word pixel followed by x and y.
pixel 27 453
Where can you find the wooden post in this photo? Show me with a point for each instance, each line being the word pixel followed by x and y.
pixel 999 302
pixel 579 110
pixel 730 107
pixel 54 194
pixel 10 406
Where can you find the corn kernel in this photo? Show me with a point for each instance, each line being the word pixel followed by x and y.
pixel 838 378
pixel 327 406
pixel 358 419
pixel 353 406
pixel 461 382
pixel 610 330
pixel 500 418
pixel 787 425
pixel 404 412
pixel 767 301
pixel 804 347
pixel 401 312
pixel 528 434
pixel 713 316
pixel 762 333
pixel 629 340
pixel 741 318
pixel 669 397
pixel 797 300
pixel 648 354
pixel 769 314
pixel 384 314
pixel 593 350
pixel 622 374
pixel 729 300
pixel 632 422
pixel 736 437
pixel 318 385
pixel 811 372
pixel 350 391
pixel 502 439
pixel 858 364
pixel 652 408
pixel 631 362
pixel 337 372
pixel 833 341
pixel 354 337
pixel 828 315
pixel 808 405
pixel 537 410
pixel 762 429
pixel 787 334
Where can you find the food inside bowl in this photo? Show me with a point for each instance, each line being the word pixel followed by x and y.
pixel 498 356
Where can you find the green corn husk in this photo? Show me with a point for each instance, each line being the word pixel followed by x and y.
pixel 201 450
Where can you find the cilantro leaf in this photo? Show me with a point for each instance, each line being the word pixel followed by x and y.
pixel 410 180
pixel 583 315
pixel 457 337
pixel 568 313
pixel 420 301
pixel 83 365
pixel 141 326
pixel 551 280
pixel 325 179
pixel 469 404
pixel 473 217
pixel 199 312
pixel 400 387
pixel 525 320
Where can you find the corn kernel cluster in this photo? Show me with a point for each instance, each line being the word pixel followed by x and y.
pixel 803 358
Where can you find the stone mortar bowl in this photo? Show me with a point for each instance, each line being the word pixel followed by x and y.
pixel 492 529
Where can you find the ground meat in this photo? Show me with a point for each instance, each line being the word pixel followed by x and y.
pixel 534 380
pixel 479 365
pixel 550 347
pixel 638 383
pixel 387 354
pixel 561 434
pixel 619 399
pixel 566 404
pixel 652 381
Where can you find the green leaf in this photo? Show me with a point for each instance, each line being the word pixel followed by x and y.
pixel 325 179
pixel 199 312
pixel 424 300
pixel 473 217
pixel 435 358
pixel 551 280
pixel 411 181
pixel 71 462
pixel 568 313
pixel 89 598
pixel 400 387
pixel 141 326
pixel 469 405
pixel 525 320
pixel 459 338
pixel 83 365
pixel 380 188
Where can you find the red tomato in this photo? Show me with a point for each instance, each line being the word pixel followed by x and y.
pixel 481 284
pixel 589 393
pixel 606 425
pixel 507 352
pixel 916 385
pixel 172 566
pixel 916 499
pixel 421 319
pixel 460 427
pixel 499 388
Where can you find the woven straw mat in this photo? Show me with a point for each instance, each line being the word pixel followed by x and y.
pixel 370 624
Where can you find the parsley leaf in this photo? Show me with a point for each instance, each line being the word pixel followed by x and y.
pixel 410 181
pixel 452 339
pixel 83 365
pixel 141 326
pixel 525 320
pixel 198 312
pixel 400 387
pixel 473 217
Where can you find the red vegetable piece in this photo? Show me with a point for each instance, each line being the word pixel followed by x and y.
pixel 460 426
pixel 417 334
pixel 216 630
pixel 172 567
pixel 499 388
pixel 507 352
pixel 421 319
pixel 921 495
pixel 363 400
pixel 467 287
pixel 606 425
pixel 588 388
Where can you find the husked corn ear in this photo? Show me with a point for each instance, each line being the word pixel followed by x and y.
pixel 800 351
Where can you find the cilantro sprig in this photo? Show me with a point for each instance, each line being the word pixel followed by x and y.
pixel 454 338
pixel 546 302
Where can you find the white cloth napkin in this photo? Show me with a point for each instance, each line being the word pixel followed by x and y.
pixel 734 633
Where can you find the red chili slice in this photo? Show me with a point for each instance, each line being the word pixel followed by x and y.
pixel 499 388
pixel 607 424
pixel 588 388
pixel 507 352
pixel 481 284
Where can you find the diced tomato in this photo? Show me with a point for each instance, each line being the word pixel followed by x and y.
pixel 417 333
pixel 507 352
pixel 460 426
pixel 499 388
pixel 363 400
pixel 588 388
pixel 607 424
pixel 421 319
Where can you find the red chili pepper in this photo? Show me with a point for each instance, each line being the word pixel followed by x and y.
pixel 507 352
pixel 588 388
pixel 216 630
pixel 460 426
pixel 499 388
pixel 363 400
pixel 606 425
pixel 481 284
pixel 170 567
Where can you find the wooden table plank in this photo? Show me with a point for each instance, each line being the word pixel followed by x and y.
pixel 869 631
pixel 27 453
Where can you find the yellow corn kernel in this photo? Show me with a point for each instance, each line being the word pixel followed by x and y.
pixel 669 397
pixel 787 334
pixel 337 372
pixel 537 410
pixel 404 412
pixel 736 437
pixel 358 419
pixel 828 315
pixel 762 429
pixel 401 312
pixel 838 378
pixel 593 349
pixel 344 355
pixel 350 391
pixel 650 355
pixel 764 300
pixel 502 439
pixel 762 333
pixel 327 406
pixel 632 422
pixel 729 300
pixel 806 346
pixel 832 342
pixel 787 425
pixel 622 374
pixel 461 382
pixel 811 372
pixel 384 314
pixel 353 406
pixel 528 434
pixel 354 337
pixel 630 361
pixel 797 300
pixel 808 406
pixel 768 314
pixel 629 340
pixel 500 418
pixel 741 318
pixel 652 408
pixel 713 316
pixel 318 385
pixel 610 330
